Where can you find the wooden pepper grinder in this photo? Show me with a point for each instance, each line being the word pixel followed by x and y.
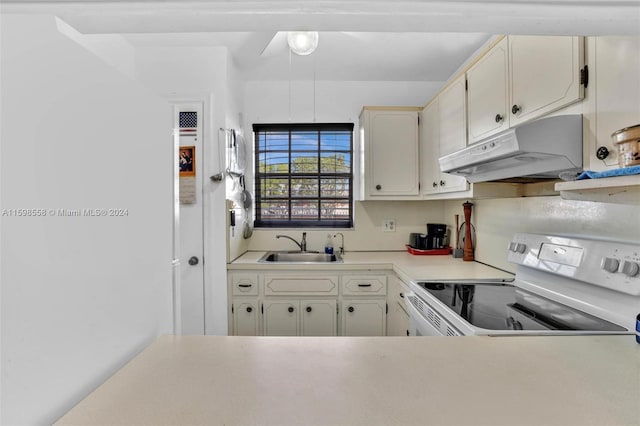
pixel 467 252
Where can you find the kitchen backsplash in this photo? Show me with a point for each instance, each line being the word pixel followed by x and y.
pixel 368 234
pixel 497 220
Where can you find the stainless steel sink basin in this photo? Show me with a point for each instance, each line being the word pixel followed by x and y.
pixel 299 257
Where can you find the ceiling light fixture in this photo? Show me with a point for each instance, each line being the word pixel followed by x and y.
pixel 302 42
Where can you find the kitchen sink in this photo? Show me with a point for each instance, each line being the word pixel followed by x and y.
pixel 299 257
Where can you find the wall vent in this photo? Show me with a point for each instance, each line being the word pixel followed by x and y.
pixel 188 123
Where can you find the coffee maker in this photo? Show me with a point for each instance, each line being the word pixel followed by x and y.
pixel 436 236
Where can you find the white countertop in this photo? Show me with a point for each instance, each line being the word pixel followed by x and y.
pixel 407 266
pixel 577 380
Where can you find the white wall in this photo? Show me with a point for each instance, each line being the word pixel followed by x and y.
pixel 268 102
pixel 368 234
pixel 335 101
pixel 80 295
pixel 496 221
pixel 237 243
pixel 202 74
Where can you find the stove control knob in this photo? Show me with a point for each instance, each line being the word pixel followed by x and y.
pixel 521 248
pixel 630 269
pixel 609 264
pixel 512 246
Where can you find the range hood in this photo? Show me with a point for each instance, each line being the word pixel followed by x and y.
pixel 539 149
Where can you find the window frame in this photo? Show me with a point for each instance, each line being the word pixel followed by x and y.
pixel 290 128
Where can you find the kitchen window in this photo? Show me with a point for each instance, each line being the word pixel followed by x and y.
pixel 304 175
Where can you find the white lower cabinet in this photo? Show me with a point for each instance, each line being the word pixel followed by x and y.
pixel 364 317
pixel 319 317
pixel 280 317
pixel 364 304
pixel 398 316
pixel 291 317
pixel 246 317
pixel 244 309
pixel 398 320
pixel 288 303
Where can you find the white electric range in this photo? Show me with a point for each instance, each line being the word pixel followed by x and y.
pixel 563 285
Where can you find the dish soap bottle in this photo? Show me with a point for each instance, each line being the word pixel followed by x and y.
pixel 328 246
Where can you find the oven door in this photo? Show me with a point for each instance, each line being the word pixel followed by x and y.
pixel 418 324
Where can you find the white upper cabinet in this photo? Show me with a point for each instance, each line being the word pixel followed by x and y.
pixel 488 96
pixel 612 102
pixel 522 78
pixel 453 117
pixel 544 75
pixel 430 149
pixel 390 141
pixel 452 111
pixel 613 96
pixel 434 182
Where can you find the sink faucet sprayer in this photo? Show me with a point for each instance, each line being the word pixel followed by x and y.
pixel 341 248
pixel 302 244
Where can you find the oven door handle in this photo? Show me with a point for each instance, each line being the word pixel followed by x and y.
pixel 513 324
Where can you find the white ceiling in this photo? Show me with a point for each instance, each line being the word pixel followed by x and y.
pixel 342 56
pixel 419 40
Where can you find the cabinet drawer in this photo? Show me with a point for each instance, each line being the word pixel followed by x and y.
pixel 244 284
pixel 364 284
pixel 277 285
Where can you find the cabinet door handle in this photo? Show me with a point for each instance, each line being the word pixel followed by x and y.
pixel 435 184
pixel 402 295
pixel 602 153
pixel 515 109
pixel 290 309
pixel 309 309
pixel 364 285
pixel 499 118
pixel 350 309
pixel 244 285
pixel 442 183
pixel 249 309
pixel 378 187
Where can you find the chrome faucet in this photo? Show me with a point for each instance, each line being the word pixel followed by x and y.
pixel 302 244
pixel 341 248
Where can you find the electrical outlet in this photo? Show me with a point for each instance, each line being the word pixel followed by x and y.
pixel 389 225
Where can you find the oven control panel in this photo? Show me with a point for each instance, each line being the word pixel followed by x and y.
pixel 612 265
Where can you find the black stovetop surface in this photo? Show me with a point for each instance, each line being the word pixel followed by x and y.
pixel 502 306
